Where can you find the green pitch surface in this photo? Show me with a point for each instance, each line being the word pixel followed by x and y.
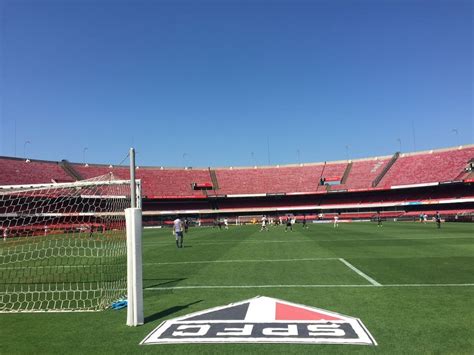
pixel 412 285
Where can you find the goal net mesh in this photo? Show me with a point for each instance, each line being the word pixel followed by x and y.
pixel 249 219
pixel 63 246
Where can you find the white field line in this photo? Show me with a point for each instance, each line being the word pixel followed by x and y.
pixel 308 241
pixel 240 261
pixel 299 286
pixel 357 271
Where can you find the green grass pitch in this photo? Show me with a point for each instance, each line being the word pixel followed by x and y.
pixel 424 304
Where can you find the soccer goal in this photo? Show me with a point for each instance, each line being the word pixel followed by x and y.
pixel 64 246
pixel 249 219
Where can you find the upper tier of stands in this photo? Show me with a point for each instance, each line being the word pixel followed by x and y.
pixel 20 171
pixel 414 168
pixel 155 182
pixel 269 180
pixel 434 166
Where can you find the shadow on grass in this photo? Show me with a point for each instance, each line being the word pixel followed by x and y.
pixel 165 282
pixel 168 311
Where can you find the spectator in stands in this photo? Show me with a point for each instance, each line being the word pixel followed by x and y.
pixel 288 223
pixel 178 227
pixel 438 219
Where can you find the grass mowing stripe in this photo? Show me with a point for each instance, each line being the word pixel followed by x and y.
pixel 311 241
pixel 239 261
pixel 298 286
pixel 357 271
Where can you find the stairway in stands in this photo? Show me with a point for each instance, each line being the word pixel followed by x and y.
pixel 346 173
pixel 215 183
pixel 467 172
pixel 385 169
pixel 320 177
pixel 68 169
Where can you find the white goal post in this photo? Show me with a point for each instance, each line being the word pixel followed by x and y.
pixel 64 246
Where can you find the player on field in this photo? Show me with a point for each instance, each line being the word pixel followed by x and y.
pixel 288 224
pixel 336 221
pixel 226 223
pixel 304 221
pixel 264 224
pixel 178 227
pixel 379 220
pixel 186 225
pixel 438 219
pixel 217 223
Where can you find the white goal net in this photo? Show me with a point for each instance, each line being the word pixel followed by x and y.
pixel 249 219
pixel 63 246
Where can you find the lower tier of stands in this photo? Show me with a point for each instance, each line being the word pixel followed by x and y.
pixel 404 204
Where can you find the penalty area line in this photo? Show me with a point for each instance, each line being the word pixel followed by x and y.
pixel 299 286
pixel 357 271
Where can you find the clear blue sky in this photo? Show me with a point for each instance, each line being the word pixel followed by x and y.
pixel 208 83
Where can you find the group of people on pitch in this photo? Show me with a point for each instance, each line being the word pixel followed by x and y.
pixel 289 221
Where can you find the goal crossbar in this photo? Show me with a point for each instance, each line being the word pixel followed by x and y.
pixel 62 185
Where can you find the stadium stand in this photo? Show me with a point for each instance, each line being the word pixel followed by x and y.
pixel 157 183
pixel 346 173
pixel 92 170
pixel 414 168
pixel 402 184
pixel 14 171
pixel 363 172
pixel 385 169
pixel 177 182
pixel 270 180
pixel 68 168
pixel 334 171
pixel 426 167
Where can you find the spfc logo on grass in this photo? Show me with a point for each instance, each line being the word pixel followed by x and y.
pixel 262 320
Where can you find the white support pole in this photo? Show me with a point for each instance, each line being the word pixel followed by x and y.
pixel 133 218
pixel 133 188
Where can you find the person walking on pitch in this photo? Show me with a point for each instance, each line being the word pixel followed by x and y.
pixel 178 232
